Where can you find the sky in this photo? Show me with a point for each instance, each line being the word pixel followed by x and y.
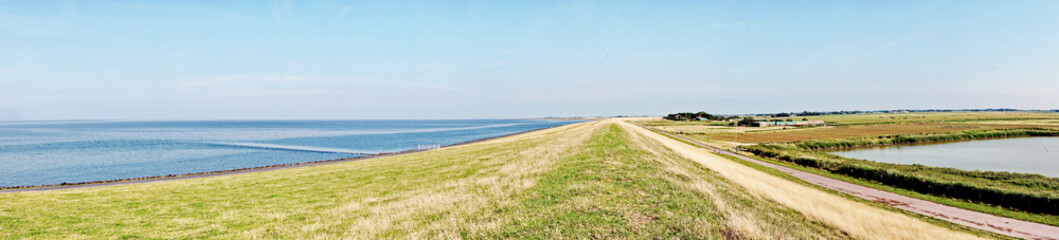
pixel 185 60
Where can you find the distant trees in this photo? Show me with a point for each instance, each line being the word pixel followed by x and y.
pixel 747 121
pixel 808 113
pixel 689 116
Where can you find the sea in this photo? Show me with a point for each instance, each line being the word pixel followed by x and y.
pixel 56 152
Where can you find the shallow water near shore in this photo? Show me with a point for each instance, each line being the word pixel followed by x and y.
pixel 37 153
pixel 1038 155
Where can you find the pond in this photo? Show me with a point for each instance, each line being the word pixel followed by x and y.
pixel 1038 155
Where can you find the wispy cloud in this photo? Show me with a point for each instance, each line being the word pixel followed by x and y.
pixel 287 83
pixel 16 24
pixel 346 10
pixel 284 93
pixel 22 68
pixel 899 41
pixel 175 8
pixel 282 11
pixel 241 80
pixel 870 49
pixel 614 93
pixel 431 86
pixel 730 24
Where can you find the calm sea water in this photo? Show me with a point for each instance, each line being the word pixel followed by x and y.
pixel 1026 155
pixel 35 153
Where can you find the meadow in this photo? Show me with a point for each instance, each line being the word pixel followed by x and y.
pixel 927 117
pixel 588 180
pixel 851 131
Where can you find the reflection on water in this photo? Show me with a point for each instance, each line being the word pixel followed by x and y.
pixel 1027 155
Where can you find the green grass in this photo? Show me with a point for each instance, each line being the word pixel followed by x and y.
pixel 609 191
pixel 1033 217
pixel 581 181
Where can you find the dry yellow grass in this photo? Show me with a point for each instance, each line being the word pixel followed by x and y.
pixel 454 202
pixel 587 180
pixel 859 220
pixel 1037 123
pixel 746 221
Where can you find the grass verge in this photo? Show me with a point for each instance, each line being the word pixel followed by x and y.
pixel 1021 215
pixel 1024 192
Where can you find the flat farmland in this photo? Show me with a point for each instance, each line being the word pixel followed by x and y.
pixel 1037 122
pixel 852 131
pixel 935 117
pixel 700 129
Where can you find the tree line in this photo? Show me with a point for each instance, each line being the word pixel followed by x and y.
pixel 690 116
pixel 700 116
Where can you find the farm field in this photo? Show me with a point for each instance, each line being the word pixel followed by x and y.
pixel 796 134
pixel 593 179
pixel 929 117
pixel 698 129
pixel 1038 122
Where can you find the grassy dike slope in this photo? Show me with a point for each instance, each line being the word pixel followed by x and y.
pixel 588 180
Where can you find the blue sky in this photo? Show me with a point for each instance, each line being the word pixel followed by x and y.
pixel 505 59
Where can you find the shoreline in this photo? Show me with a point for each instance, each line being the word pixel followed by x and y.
pixel 171 177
